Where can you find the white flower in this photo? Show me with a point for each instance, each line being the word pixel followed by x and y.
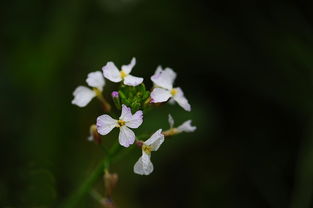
pixel 164 90
pixel 111 72
pixel 106 123
pixel 144 165
pixel 83 95
pixel 185 127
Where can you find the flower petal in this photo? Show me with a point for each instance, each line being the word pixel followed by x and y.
pixel 126 113
pixel 158 70
pixel 128 68
pixel 132 80
pixel 126 136
pixel 105 124
pixel 82 96
pixel 170 121
pixel 186 127
pixel 136 120
pixel 144 165
pixel 132 121
pixel 95 79
pixel 181 100
pixel 155 140
pixel 111 72
pixel 138 167
pixel 160 95
pixel 164 78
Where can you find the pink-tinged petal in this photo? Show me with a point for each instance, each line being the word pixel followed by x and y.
pixel 138 167
pixel 135 121
pixel 155 140
pixel 126 136
pixel 158 71
pixel 128 68
pixel 126 113
pixel 160 95
pixel 170 120
pixel 181 100
pixel 186 127
pixel 164 78
pixel 95 79
pixel 144 165
pixel 111 72
pixel 82 96
pixel 132 121
pixel 105 124
pixel 132 80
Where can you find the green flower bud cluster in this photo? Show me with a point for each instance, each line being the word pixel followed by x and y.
pixel 134 96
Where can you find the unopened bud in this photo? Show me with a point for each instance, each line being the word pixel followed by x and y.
pixel 107 203
pixel 110 181
pixel 115 94
pixel 116 99
pixel 94 135
pixel 139 143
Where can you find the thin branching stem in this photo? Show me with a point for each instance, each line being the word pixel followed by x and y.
pixel 113 155
pixel 75 198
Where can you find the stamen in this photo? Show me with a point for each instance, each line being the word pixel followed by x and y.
pixel 120 123
pixel 123 74
pixel 173 92
pixel 147 149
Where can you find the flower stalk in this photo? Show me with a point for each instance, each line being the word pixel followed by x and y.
pixel 86 186
pixel 133 101
pixel 105 104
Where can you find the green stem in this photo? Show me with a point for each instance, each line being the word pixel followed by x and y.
pixel 75 198
pixel 85 187
pixel 106 106
pixel 96 196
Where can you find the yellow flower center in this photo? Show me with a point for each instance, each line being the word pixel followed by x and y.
pixel 123 74
pixel 147 149
pixel 120 123
pixel 97 91
pixel 173 92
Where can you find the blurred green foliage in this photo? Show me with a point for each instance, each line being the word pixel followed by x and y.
pixel 245 66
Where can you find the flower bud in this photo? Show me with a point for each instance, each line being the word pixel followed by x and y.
pixel 94 135
pixel 110 181
pixel 139 143
pixel 115 94
pixel 107 203
pixel 116 99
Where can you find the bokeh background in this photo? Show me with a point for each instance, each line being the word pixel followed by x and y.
pixel 245 66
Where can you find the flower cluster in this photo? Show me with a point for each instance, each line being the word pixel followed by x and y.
pixel 132 99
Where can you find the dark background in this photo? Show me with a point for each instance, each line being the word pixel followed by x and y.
pixel 245 66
